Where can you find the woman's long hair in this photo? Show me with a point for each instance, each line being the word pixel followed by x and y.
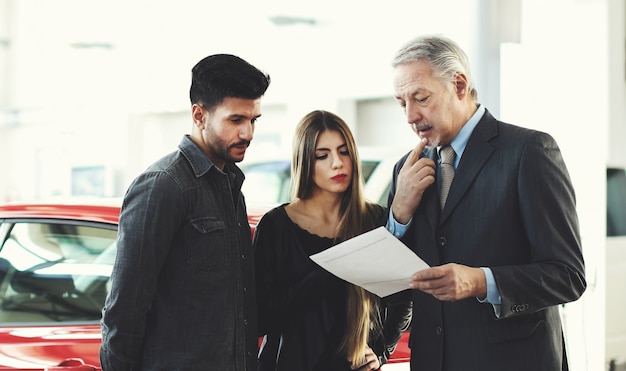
pixel 356 216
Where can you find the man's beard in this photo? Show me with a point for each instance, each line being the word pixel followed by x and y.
pixel 224 151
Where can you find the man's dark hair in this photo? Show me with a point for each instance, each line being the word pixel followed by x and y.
pixel 223 75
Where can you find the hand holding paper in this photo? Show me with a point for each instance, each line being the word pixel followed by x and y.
pixel 376 261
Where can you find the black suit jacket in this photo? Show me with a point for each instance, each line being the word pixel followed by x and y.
pixel 511 207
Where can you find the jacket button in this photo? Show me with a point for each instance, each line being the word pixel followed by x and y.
pixel 438 330
pixel 519 308
pixel 442 241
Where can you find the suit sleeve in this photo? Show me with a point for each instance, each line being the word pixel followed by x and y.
pixel 397 311
pixel 555 273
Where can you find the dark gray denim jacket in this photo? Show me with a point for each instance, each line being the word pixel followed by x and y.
pixel 182 292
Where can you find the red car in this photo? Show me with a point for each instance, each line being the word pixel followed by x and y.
pixel 55 264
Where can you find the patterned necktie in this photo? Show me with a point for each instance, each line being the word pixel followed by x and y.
pixel 447 172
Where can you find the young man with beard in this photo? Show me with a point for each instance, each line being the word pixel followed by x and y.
pixel 182 289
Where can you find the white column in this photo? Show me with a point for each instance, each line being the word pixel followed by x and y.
pixel 556 80
pixel 496 22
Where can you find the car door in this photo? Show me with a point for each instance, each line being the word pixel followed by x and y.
pixel 53 281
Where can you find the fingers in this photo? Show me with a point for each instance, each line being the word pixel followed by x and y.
pixel 371 364
pixel 370 361
pixel 421 145
pixel 431 280
pixel 428 274
pixel 415 164
pixel 450 282
pixel 415 176
pixel 417 151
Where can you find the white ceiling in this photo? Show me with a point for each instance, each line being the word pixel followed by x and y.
pixel 139 52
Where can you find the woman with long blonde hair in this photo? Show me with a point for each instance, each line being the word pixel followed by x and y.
pixel 310 319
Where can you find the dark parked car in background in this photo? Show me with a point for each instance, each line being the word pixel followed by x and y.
pixel 615 325
pixel 55 265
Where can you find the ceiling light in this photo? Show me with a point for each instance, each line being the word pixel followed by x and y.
pixel 284 20
pixel 91 45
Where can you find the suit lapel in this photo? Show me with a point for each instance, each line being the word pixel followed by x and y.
pixel 476 153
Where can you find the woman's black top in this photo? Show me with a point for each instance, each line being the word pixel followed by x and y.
pixel 302 307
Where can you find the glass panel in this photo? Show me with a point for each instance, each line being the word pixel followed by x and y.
pixel 616 202
pixel 367 168
pixel 55 272
pixel 267 182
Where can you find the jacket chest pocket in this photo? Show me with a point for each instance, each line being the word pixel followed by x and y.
pixel 207 248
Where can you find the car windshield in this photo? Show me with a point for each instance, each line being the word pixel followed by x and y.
pixel 54 271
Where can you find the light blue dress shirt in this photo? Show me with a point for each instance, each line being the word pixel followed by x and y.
pixel 459 143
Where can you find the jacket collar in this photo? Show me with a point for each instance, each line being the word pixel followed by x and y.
pixel 201 163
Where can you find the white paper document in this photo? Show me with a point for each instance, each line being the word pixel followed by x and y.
pixel 376 261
